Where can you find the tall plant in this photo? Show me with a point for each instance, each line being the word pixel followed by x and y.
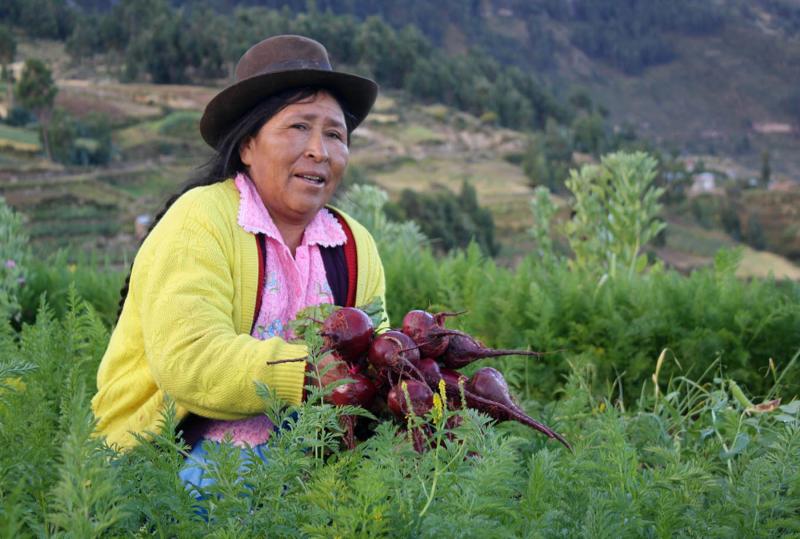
pixel 615 213
pixel 36 91
pixel 13 261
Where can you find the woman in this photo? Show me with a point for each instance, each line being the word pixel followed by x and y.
pixel 239 252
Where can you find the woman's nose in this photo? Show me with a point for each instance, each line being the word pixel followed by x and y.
pixel 315 147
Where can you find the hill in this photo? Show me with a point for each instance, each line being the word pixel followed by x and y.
pixel 403 144
pixel 574 106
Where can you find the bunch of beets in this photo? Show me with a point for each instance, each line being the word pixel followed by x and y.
pixel 395 369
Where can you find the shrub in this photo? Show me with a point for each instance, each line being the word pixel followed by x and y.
pixel 615 211
pixel 449 220
pixel 685 458
pixel 14 260
pixel 85 141
pixel 55 276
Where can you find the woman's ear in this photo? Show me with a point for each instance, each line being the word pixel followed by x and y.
pixel 246 151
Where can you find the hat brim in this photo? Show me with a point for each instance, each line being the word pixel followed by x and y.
pixel 227 107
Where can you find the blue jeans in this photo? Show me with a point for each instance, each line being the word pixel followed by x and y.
pixel 194 472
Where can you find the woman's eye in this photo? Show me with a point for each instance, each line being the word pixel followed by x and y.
pixel 300 126
pixel 336 135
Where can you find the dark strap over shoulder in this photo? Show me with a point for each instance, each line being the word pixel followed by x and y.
pixel 261 243
pixel 341 266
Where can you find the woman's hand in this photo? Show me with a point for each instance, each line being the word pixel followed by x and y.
pixel 338 371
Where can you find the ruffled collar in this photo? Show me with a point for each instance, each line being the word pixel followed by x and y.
pixel 323 230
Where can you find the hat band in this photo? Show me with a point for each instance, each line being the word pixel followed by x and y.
pixel 291 65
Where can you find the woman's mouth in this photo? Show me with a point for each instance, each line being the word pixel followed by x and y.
pixel 312 178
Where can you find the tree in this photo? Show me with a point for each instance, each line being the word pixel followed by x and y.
pixel 36 91
pixel 766 170
pixel 8 48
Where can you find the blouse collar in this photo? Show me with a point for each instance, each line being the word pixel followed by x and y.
pixel 323 230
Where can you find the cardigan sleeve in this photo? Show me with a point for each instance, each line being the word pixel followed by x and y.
pixel 184 296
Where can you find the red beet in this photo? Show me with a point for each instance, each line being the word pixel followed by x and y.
pixel 395 352
pixel 463 349
pixel 487 392
pixel 349 332
pixel 419 393
pixel 427 331
pixel 359 392
pixel 430 372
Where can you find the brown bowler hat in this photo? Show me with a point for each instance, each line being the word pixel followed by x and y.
pixel 279 63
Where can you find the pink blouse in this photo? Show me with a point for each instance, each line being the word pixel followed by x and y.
pixel 290 285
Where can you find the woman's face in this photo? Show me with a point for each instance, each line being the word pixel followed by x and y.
pixel 297 159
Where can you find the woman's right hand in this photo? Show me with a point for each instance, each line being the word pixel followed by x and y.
pixel 338 371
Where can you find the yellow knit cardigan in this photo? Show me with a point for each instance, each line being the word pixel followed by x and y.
pixel 184 331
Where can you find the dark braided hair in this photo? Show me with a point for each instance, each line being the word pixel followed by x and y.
pixel 226 162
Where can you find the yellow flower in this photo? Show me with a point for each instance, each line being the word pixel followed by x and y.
pixel 443 389
pixel 72 267
pixel 437 408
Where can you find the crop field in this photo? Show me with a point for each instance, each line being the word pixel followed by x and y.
pixel 19 139
pixel 661 349
pixel 678 394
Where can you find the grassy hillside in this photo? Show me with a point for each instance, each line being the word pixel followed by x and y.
pixel 403 144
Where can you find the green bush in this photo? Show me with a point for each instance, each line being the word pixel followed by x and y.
pixel 618 325
pixel 14 260
pixel 646 371
pixel 53 277
pixel 450 220
pixel 180 124
pixel 686 459
pixel 85 141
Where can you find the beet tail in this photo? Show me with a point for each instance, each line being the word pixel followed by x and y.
pixel 502 412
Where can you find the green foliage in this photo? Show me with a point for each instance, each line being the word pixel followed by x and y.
pixel 655 377
pixel 14 262
pixel 543 210
pixel 619 327
pixel 366 203
pixel 615 211
pixel 182 124
pixel 36 89
pixel 684 458
pixel 169 45
pixel 176 48
pixel 52 277
pixel 8 49
pixel 85 141
pixel 589 133
pixel 49 19
pixel 634 34
pixel 450 221
pixel 548 157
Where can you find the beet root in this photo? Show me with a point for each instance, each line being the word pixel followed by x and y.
pixel 463 349
pixel 487 392
pixel 427 331
pixel 430 372
pixel 419 395
pixel 348 331
pixel 360 392
pixel 396 352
